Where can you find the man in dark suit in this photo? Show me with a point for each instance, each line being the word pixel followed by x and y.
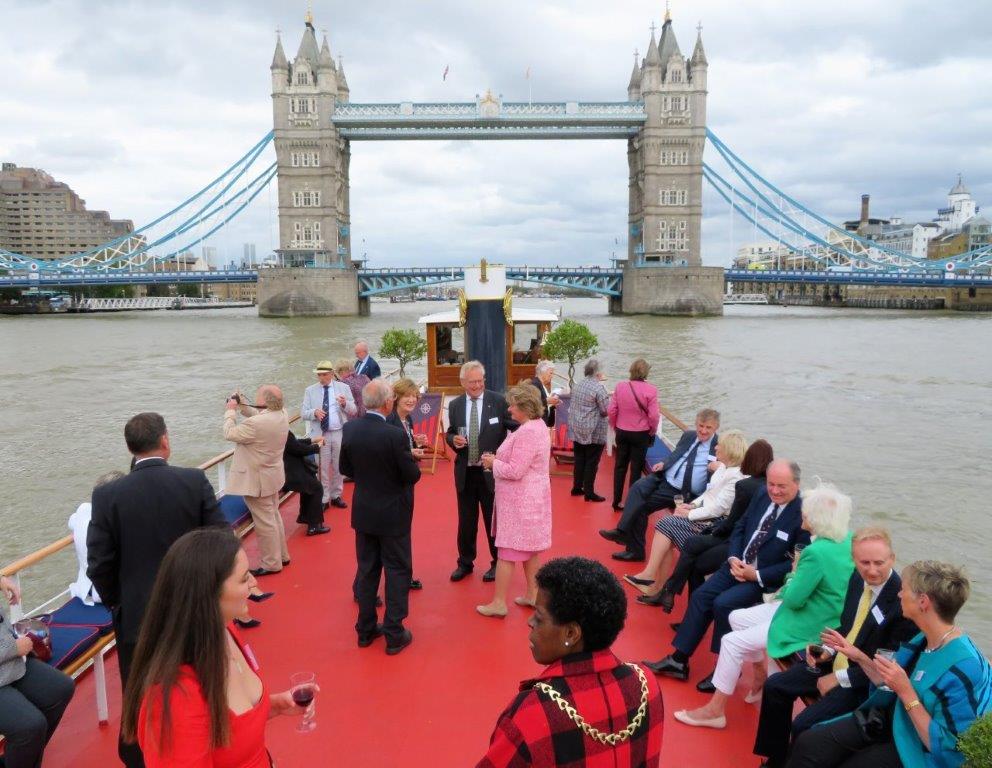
pixel 760 549
pixel 544 371
pixel 364 362
pixel 872 619
pixel 377 456
pixel 477 423
pixel 135 521
pixel 301 476
pixel 685 473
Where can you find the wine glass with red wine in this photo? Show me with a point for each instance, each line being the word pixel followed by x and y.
pixel 303 686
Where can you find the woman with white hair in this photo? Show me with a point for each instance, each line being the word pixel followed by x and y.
pixel 543 374
pixel 811 598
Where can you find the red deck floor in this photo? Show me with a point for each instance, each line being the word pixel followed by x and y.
pixel 436 703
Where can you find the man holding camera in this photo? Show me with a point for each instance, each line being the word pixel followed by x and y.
pixel 327 405
pixel 257 471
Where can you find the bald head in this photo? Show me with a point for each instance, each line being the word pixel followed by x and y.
pixel 377 395
pixel 783 481
pixel 269 395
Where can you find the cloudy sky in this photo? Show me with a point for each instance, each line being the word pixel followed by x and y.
pixel 138 104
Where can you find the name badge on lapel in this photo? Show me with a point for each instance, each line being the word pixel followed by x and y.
pixel 919 675
pixel 877 613
pixel 782 535
pixel 494 420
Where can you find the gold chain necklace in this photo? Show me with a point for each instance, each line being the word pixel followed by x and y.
pixel 594 733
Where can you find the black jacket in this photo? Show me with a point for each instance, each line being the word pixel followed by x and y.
pixel 135 521
pixel 394 419
pixel 549 413
pixel 377 456
pixel 299 472
pixel 893 630
pixel 495 423
pixel 744 491
pixel 773 559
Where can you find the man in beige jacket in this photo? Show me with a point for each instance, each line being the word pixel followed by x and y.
pixel 257 471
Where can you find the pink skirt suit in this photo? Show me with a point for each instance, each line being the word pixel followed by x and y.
pixel 522 516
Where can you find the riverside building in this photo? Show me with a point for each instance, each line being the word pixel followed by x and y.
pixel 45 219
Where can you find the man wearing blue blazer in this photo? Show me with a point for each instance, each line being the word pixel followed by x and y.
pixel 364 362
pixel 761 549
pixel 685 472
pixel 872 619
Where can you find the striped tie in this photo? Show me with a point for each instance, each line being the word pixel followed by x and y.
pixel 840 661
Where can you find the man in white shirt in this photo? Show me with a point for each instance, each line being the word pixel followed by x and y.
pixel 327 405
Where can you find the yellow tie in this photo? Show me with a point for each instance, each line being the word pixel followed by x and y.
pixel 840 661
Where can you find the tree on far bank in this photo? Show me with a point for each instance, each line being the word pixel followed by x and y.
pixel 405 346
pixel 571 341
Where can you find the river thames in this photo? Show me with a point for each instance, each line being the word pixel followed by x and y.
pixel 893 407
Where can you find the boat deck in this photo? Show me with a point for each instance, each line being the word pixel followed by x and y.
pixel 436 703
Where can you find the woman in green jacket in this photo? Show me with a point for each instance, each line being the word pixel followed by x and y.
pixel 811 598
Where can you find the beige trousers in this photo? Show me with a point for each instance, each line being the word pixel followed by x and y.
pixel 269 529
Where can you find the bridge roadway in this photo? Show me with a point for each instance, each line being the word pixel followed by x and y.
pixel 605 281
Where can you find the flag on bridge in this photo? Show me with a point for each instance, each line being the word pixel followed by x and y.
pixel 445 75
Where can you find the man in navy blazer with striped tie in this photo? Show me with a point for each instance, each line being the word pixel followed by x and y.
pixel 760 557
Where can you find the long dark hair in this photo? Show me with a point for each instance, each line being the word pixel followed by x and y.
pixel 183 625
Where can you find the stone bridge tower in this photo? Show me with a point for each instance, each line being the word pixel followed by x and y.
pixel 664 272
pixel 316 275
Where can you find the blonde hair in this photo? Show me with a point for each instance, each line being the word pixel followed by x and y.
pixel 343 365
pixel 527 399
pixel 872 533
pixel 405 387
pixel 946 585
pixel 828 512
pixel 734 446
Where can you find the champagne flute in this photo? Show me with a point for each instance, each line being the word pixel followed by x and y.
pixel 678 499
pixel 302 688
pixel 889 654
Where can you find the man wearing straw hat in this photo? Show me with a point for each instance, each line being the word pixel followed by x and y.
pixel 327 405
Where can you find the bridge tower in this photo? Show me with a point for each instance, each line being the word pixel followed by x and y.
pixel 664 272
pixel 316 275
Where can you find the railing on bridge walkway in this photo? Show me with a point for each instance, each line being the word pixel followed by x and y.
pixel 601 280
pixel 80 277
pixel 860 277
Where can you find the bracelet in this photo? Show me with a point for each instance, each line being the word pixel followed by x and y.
pixel 912 705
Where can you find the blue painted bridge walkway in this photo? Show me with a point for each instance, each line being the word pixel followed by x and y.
pixel 605 281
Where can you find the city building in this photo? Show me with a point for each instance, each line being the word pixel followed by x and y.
pixel 248 255
pixel 45 219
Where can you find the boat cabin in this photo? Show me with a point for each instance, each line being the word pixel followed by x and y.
pixel 446 346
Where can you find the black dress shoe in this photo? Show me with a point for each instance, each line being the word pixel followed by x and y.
pixel 262 597
pixel 706 684
pixel 675 625
pixel 256 572
pixel 490 575
pixel 618 507
pixel 613 534
pixel 664 600
pixel 395 646
pixel 364 641
pixel 285 563
pixel 339 503
pixel 250 624
pixel 628 557
pixel 416 584
pixel 460 573
pixel 595 497
pixel 669 667
pixel 636 581
pixel 316 530
pixel 577 492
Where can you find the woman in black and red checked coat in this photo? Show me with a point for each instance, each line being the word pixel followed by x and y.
pixel 580 610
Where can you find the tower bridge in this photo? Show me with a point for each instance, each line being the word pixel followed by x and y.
pixel 662 120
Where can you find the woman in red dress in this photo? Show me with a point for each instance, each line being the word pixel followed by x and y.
pixel 195 698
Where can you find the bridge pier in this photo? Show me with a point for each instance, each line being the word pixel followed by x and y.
pixel 300 292
pixel 650 289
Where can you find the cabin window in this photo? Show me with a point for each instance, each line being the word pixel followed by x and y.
pixel 526 343
pixel 450 344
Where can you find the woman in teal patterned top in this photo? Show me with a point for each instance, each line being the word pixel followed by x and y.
pixel 940 683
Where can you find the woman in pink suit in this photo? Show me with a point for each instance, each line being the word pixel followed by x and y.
pixel 522 517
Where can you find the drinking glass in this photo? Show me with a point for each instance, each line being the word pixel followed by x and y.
pixel 796 549
pixel 678 499
pixel 463 432
pixel 815 650
pixel 303 687
pixel 888 654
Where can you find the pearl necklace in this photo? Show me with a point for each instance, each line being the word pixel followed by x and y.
pixel 940 643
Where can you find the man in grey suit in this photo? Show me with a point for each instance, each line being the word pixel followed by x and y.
pixel 477 423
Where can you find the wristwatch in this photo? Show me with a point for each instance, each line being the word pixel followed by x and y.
pixel 912 705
